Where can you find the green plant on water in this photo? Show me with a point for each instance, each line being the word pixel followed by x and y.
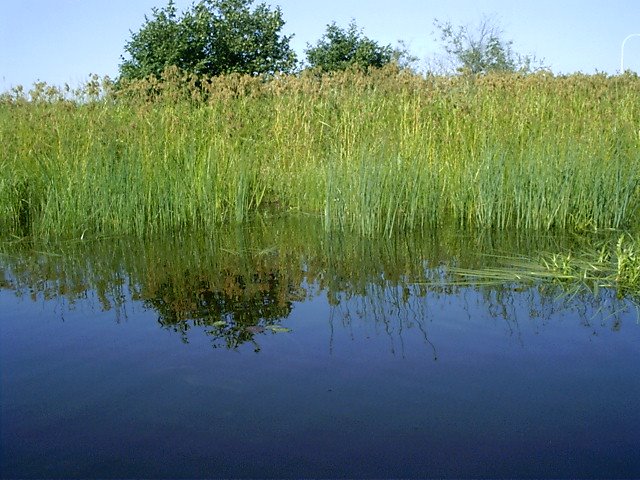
pixel 369 152
pixel 610 264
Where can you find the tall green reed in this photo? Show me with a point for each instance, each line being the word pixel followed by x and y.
pixel 372 152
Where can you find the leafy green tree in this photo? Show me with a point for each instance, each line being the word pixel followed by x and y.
pixel 214 37
pixel 482 49
pixel 339 49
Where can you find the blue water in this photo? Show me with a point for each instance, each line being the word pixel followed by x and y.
pixel 467 384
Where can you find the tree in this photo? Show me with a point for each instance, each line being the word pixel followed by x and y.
pixel 482 49
pixel 214 37
pixel 339 49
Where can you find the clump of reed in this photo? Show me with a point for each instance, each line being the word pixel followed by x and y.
pixel 608 264
pixel 371 152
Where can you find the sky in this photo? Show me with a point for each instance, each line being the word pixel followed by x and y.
pixel 63 41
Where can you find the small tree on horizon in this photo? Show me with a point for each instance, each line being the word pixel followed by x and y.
pixel 482 49
pixel 339 49
pixel 214 37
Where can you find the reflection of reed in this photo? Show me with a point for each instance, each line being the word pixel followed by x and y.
pixel 240 280
pixel 394 308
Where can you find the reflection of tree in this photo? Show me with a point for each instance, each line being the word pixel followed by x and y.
pixel 400 310
pixel 231 311
pixel 240 282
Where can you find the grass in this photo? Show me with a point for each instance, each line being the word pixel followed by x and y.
pixel 370 153
pixel 602 265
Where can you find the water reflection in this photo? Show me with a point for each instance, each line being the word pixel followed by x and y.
pixel 375 360
pixel 241 282
pixel 231 312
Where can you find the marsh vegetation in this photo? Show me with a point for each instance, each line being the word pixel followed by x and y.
pixel 370 153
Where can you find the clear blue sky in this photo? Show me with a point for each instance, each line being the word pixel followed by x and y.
pixel 62 41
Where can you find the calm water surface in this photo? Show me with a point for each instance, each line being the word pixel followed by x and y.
pixel 281 352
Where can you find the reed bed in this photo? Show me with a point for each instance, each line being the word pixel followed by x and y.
pixel 370 152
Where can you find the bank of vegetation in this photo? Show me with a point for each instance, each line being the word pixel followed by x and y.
pixel 213 120
pixel 372 152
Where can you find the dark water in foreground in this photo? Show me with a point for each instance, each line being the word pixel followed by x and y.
pixel 281 352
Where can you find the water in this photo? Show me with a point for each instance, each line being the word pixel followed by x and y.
pixel 282 352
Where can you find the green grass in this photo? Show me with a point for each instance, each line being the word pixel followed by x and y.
pixel 601 265
pixel 370 153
